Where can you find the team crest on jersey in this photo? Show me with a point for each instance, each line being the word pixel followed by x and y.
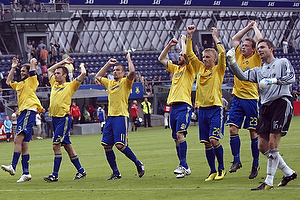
pixel 112 88
pixel 178 75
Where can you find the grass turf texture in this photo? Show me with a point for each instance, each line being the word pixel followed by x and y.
pixel 156 149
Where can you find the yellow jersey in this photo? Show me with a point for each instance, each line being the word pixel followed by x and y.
pixel 118 93
pixel 61 97
pixel 27 98
pixel 246 89
pixel 182 83
pixel 209 82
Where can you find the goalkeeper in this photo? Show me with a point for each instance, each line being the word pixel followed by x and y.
pixel 273 78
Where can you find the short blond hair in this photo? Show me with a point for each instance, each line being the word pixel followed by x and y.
pixel 213 51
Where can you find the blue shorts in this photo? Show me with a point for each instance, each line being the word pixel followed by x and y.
pixel 210 123
pixel 61 126
pixel 25 122
pixel 243 109
pixel 180 117
pixel 115 131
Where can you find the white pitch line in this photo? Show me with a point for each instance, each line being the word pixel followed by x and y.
pixel 134 189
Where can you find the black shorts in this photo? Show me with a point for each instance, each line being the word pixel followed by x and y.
pixel 275 117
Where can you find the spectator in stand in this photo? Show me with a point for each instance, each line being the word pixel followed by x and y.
pixel 291 49
pixel 138 77
pixel 135 115
pixel 7 128
pixel 40 48
pixel 172 56
pixel 28 50
pixel 39 72
pixel 44 67
pixel 14 117
pixel 205 44
pixel 167 110
pixel 92 78
pixel 176 53
pixel 57 46
pixel 5 87
pixel 38 122
pixel 34 49
pixel 285 46
pixel 101 117
pixel 49 127
pixel 52 54
pixel 43 120
pixel 45 80
pixel 213 46
pixel 70 68
pixel 65 55
pixel 294 44
pixel 31 5
pixel 75 114
pixel 110 76
pixel 44 55
pixel 86 79
pixel 197 49
pixel 146 107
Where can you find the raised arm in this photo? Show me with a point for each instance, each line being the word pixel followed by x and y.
pixel 10 76
pixel 52 69
pixel 214 36
pixel 163 55
pixel 189 45
pixel 258 34
pixel 103 70
pixel 131 68
pixel 238 37
pixel 33 63
pixel 183 45
pixel 82 74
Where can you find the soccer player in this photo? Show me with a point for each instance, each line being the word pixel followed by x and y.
pixel 180 99
pixel 244 106
pixel 274 78
pixel 29 105
pixel 209 100
pixel 115 129
pixel 60 102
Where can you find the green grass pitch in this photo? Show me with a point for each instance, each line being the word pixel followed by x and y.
pixel 156 149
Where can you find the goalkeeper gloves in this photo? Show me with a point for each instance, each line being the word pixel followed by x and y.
pixel 231 56
pixel 267 81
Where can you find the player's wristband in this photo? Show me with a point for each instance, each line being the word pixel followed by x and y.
pixel 32 73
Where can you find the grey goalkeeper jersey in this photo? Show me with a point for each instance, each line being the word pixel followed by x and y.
pixel 278 68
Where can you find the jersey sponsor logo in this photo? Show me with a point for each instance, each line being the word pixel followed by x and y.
pixel 112 88
pixel 178 75
pixel 19 91
pixel 58 89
